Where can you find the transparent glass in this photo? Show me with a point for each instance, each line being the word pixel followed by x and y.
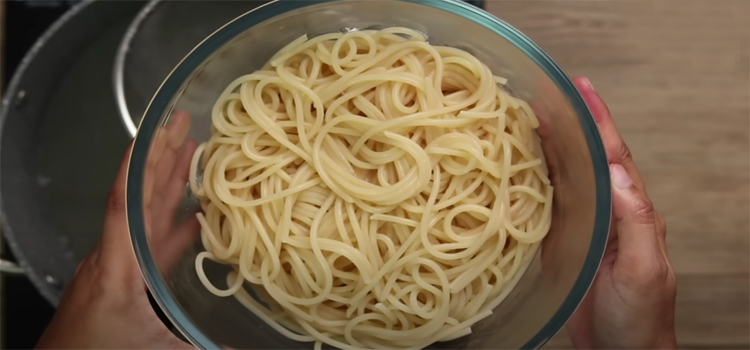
pixel 559 277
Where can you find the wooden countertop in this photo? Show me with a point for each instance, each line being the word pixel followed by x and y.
pixel 676 77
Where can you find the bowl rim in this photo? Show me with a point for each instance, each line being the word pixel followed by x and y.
pixel 174 81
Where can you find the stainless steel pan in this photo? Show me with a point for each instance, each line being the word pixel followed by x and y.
pixel 61 143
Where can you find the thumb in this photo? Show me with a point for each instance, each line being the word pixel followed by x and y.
pixel 634 220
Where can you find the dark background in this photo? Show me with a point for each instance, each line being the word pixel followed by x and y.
pixel 25 312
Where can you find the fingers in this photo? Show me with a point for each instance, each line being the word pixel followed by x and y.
pixel 171 247
pixel 160 163
pixel 634 220
pixel 174 190
pixel 115 246
pixel 176 132
pixel 169 238
pixel 171 243
pixel 639 228
pixel 617 151
pixel 641 261
pixel 152 162
pixel 661 226
pixel 661 232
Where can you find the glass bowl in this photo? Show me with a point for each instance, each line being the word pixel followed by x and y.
pixel 558 277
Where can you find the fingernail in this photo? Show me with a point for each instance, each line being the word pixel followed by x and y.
pixel 620 177
pixel 587 83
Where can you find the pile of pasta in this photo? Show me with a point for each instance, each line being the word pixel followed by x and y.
pixel 377 191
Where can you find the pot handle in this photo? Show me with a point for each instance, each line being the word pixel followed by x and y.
pixel 9 267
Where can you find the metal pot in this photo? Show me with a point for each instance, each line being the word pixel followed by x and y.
pixel 60 143
pixel 161 35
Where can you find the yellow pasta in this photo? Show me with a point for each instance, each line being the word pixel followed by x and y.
pixel 376 190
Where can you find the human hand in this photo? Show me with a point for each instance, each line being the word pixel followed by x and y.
pixel 106 304
pixel 631 303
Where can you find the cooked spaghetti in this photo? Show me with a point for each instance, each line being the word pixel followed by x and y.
pixel 377 191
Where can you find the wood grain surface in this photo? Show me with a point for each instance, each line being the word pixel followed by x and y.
pixel 676 76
